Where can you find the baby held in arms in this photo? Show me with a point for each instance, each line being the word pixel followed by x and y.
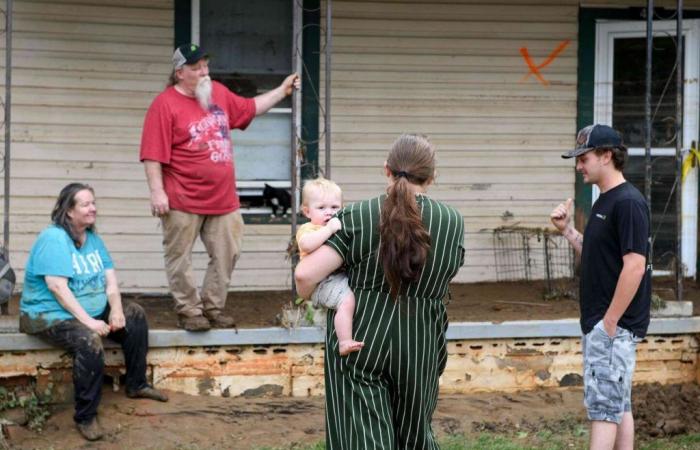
pixel 321 199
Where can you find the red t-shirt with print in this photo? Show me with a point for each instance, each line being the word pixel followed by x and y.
pixel 194 148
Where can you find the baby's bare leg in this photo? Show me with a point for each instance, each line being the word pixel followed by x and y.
pixel 343 326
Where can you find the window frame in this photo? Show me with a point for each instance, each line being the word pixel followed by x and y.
pixel 606 33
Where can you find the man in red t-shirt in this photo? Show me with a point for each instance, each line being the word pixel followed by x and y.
pixel 187 153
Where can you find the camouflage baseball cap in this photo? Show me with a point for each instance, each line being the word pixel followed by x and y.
pixel 593 137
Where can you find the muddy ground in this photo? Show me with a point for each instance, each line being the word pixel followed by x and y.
pixel 247 423
pixel 667 410
pixel 468 302
pixel 474 302
pixel 239 423
pixel 659 411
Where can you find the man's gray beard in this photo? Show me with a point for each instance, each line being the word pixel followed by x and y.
pixel 203 92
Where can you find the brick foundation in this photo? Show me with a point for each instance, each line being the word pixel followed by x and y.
pixel 297 369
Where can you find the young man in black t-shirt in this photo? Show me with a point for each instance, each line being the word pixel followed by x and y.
pixel 615 294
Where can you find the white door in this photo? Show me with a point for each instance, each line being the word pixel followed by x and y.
pixel 619 102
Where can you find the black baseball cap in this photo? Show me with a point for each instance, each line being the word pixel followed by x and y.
pixel 593 137
pixel 188 54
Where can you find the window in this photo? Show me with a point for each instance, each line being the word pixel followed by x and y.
pixel 619 102
pixel 250 45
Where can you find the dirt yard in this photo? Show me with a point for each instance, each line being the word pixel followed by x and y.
pixel 475 302
pixel 239 423
pixel 248 423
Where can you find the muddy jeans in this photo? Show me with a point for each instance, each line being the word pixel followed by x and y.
pixel 222 236
pixel 88 356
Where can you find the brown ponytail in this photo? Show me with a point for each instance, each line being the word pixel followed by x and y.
pixel 405 242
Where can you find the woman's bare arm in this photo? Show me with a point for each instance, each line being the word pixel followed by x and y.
pixel 314 268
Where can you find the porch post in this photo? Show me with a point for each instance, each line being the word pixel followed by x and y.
pixel 679 154
pixel 647 108
pixel 327 91
pixel 297 37
pixel 647 123
pixel 4 308
pixel 8 103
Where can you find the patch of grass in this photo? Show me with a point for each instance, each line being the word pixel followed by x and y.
pixel 683 442
pixel 316 446
pixel 35 405
pixel 546 440
pixel 576 439
pixel 483 441
pixel 657 302
pixel 522 440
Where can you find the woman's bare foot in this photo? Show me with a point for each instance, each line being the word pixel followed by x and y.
pixel 349 346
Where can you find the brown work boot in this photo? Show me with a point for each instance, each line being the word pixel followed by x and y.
pixel 148 392
pixel 90 430
pixel 194 323
pixel 221 321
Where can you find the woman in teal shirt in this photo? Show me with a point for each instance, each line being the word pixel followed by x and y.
pixel 71 299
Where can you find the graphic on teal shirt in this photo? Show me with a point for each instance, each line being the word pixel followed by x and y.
pixel 55 254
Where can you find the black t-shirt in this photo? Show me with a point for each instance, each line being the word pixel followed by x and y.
pixel 619 224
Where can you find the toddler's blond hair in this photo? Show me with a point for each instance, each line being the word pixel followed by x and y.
pixel 319 185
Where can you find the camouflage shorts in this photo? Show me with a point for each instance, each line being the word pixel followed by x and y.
pixel 608 366
pixel 331 291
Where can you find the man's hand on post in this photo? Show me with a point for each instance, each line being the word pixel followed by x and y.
pixel 290 83
pixel 264 102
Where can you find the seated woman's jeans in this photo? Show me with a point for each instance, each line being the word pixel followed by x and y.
pixel 88 356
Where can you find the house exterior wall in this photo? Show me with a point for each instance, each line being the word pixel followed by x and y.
pixel 84 73
pixel 454 71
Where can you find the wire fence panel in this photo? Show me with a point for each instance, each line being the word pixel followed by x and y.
pixel 526 254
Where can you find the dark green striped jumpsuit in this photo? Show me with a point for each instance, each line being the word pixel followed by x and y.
pixel 383 397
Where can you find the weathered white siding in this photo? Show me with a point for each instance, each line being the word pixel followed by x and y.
pixel 84 73
pixel 453 70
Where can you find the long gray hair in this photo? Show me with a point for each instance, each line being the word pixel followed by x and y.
pixel 172 79
pixel 64 203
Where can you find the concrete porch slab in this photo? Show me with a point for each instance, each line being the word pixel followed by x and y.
pixel 12 340
pixel 674 309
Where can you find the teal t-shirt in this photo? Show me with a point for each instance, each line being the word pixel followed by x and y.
pixel 55 254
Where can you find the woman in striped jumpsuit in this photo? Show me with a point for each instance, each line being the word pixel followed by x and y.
pixel 400 251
